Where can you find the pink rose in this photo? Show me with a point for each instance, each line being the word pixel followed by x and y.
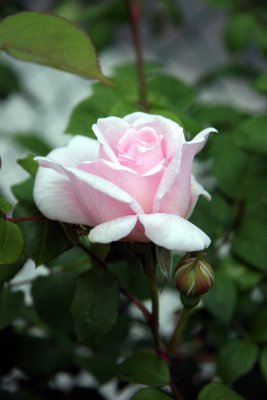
pixel 134 183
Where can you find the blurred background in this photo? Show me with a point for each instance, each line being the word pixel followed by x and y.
pixel 217 52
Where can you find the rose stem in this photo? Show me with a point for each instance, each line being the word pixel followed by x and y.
pixel 155 313
pixel 133 8
pixel 24 219
pixel 176 337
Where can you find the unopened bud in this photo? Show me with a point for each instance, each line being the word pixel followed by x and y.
pixel 194 277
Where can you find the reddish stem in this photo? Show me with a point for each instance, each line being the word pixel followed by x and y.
pixel 25 219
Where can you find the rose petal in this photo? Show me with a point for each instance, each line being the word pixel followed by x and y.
pixel 55 198
pixel 172 132
pixel 173 232
pixel 196 191
pixel 113 230
pixel 99 200
pixel 140 188
pixel 108 132
pixel 173 196
pixel 79 149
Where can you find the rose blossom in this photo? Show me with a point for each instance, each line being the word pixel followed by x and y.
pixel 134 183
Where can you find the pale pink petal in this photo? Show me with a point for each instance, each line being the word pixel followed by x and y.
pixel 79 149
pixel 196 191
pixel 108 132
pixel 172 132
pixel 113 230
pixel 173 232
pixel 173 196
pixel 97 199
pixel 55 198
pixel 140 188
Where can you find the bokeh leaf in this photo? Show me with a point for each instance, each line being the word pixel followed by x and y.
pixel 143 368
pixel 218 391
pixel 236 358
pixel 11 242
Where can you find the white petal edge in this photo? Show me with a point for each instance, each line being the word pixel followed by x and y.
pixel 173 232
pixel 113 230
pixel 79 149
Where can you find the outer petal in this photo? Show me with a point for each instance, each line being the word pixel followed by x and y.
pixel 141 188
pixel 108 132
pixel 113 230
pixel 173 196
pixel 99 200
pixel 79 149
pixel 54 196
pixel 173 232
pixel 196 191
pixel 171 131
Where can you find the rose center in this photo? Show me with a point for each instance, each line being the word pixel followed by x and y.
pixel 141 149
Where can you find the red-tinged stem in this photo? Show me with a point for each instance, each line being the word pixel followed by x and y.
pixel 25 219
pixel 134 13
pixel 175 392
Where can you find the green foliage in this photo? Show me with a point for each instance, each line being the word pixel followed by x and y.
pixel 11 242
pixel 9 81
pixel 59 44
pixel 33 143
pixel 5 207
pixel 29 165
pixel 150 394
pixel 217 391
pixel 8 271
pixel 259 326
pixel 215 300
pixel 143 368
pixel 261 82
pixel 251 135
pixel 236 358
pixel 10 305
pixel 95 305
pixel 240 31
pixel 52 298
pixel 263 362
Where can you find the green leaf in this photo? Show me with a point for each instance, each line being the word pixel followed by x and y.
pixel 95 305
pixel 220 300
pixel 249 242
pixel 52 296
pixel 5 207
pixel 59 44
pixel 251 135
pixel 245 278
pixel 144 368
pixel 33 143
pixel 261 82
pixel 86 113
pixel 249 177
pixel 40 243
pixel 150 394
pixel 214 217
pixel 24 191
pixel 11 242
pixel 240 31
pixel 39 236
pixel 259 326
pixel 263 362
pixel 10 305
pixel 40 357
pixel 8 271
pixel 218 391
pixel 236 359
pixel 28 164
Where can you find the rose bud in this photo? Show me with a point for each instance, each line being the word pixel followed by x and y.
pixel 194 277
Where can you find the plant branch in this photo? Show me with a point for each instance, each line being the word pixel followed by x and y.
pixel 176 337
pixel 24 219
pixel 133 8
pixel 155 315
